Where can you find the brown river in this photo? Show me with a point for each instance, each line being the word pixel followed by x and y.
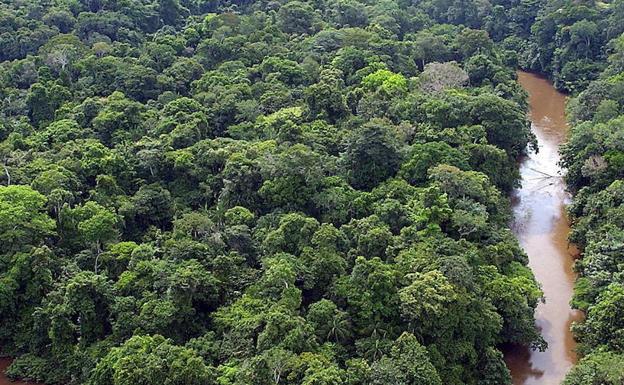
pixel 541 227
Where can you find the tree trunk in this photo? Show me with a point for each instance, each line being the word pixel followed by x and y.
pixel 6 171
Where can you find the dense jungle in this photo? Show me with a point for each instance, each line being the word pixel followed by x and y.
pixel 318 192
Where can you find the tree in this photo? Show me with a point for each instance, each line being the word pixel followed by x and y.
pixel 58 132
pixel 61 18
pixel 151 359
pixel 385 82
pixel 493 368
pixel 43 100
pixel 369 236
pixel 26 278
pixel 372 155
pixel 183 72
pixel 194 224
pixel 57 185
pixel 77 311
pixel 61 52
pixel 603 327
pixel 294 233
pixel 516 297
pixel 425 302
pixel 436 77
pixel 371 292
pixel 582 35
pixel 597 368
pixel 504 122
pixel 293 178
pixel 23 220
pixel 495 163
pixel 470 219
pixel 295 17
pixel 349 13
pixel 472 41
pixel 460 185
pixel 481 70
pixel 325 99
pixel 96 225
pixel 324 262
pixel 287 71
pixel 330 323
pixel 150 205
pixel 426 155
pixel 171 12
pixel 430 48
pixel 408 363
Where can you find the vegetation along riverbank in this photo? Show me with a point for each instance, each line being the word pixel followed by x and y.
pixel 297 192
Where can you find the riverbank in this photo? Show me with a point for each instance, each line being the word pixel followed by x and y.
pixel 4 380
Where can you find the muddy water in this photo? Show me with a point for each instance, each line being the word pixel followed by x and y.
pixel 541 226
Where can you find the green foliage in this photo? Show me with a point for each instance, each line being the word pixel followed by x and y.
pixel 372 155
pixel 147 360
pixel 23 220
pixel 427 155
pixel 597 368
pixel 295 17
pixel 285 193
pixel 386 82
pixel 603 327
pixel 407 363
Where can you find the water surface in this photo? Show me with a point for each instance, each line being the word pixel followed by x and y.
pixel 541 227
